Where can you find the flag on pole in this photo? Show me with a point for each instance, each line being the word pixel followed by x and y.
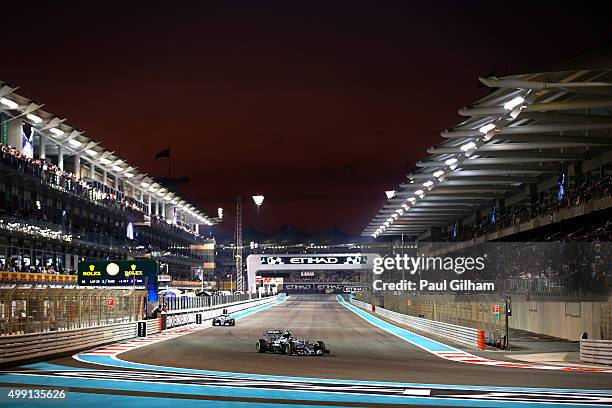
pixel 163 153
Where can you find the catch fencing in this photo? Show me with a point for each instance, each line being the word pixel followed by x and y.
pixel 27 309
pixel 460 334
pixel 174 303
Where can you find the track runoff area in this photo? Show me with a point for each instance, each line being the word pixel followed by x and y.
pixel 372 363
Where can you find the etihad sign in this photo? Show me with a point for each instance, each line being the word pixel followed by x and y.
pixel 313 260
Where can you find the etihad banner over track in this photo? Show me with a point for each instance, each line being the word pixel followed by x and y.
pixel 311 262
pixel 314 260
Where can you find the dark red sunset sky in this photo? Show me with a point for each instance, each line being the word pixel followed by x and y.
pixel 320 105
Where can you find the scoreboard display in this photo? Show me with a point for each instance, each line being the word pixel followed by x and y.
pixel 116 273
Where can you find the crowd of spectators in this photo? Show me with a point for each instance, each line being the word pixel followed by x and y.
pixel 106 228
pixel 48 172
pixel 563 268
pixel 590 189
pixel 52 175
pixel 95 192
pixel 15 266
pixel 555 267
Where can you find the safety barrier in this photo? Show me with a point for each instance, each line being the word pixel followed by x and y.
pixel 183 302
pixel 177 318
pixel 33 346
pixel 465 335
pixel 596 351
pixel 25 347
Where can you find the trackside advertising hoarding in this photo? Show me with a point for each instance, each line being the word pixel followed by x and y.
pixel 116 272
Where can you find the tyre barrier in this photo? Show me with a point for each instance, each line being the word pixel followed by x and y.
pixel 596 351
pixel 464 335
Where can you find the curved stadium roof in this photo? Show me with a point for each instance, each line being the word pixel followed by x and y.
pixel 523 133
pixel 74 142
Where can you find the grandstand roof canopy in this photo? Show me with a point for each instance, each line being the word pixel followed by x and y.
pixel 74 142
pixel 527 131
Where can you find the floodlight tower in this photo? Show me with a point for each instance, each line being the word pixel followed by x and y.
pixel 258 199
pixel 238 246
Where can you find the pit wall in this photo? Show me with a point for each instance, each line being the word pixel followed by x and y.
pixel 566 319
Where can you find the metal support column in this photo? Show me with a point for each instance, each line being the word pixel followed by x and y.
pixel 238 246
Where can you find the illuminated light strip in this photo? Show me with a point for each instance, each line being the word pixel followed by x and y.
pixel 487 131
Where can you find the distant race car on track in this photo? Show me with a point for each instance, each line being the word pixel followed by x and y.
pixel 224 320
pixel 281 341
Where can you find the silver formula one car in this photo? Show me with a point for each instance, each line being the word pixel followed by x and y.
pixel 282 342
pixel 224 320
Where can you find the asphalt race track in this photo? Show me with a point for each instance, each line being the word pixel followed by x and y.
pixel 367 367
pixel 359 351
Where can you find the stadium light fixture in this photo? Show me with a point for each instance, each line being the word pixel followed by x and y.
pixel 74 143
pixel 106 161
pixel 57 132
pixel 144 184
pixel 34 118
pixel 486 128
pixel 117 168
pixel 450 161
pixel 438 173
pixel 128 174
pixel 7 102
pixel 258 199
pixel 513 103
pixel 91 152
pixel 390 194
pixel 468 146
pixel 428 183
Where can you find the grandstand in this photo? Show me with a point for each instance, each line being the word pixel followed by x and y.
pixel 526 179
pixel 535 152
pixel 65 198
